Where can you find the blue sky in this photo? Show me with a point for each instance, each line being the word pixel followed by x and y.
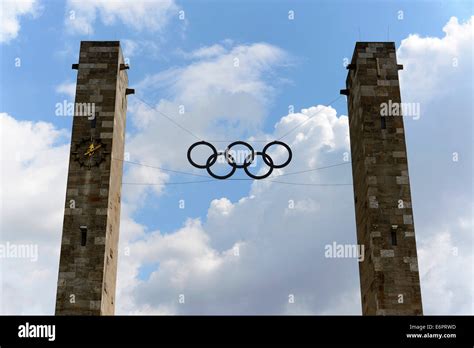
pixel 47 51
pixel 301 65
pixel 314 74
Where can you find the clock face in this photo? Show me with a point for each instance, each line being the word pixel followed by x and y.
pixel 89 153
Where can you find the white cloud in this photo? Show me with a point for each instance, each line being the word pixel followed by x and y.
pixel 150 15
pixel 229 87
pixel 129 47
pixel 445 290
pixel 33 184
pixel 281 250
pixel 207 52
pixel 148 48
pixel 438 75
pixel 239 71
pixel 11 11
pixel 435 63
pixel 203 265
pixel 67 88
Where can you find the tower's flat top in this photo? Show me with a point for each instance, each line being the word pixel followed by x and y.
pixel 101 43
pixel 375 43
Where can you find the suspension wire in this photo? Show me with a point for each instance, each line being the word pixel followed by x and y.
pixel 270 179
pixel 306 184
pixel 312 170
pixel 168 118
pixel 205 176
pixel 160 168
pixel 228 141
pixel 215 180
pixel 167 183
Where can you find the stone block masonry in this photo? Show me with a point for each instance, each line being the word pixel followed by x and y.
pixel 89 248
pixel 389 279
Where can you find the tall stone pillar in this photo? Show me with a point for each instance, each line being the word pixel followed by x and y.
pixel 88 262
pixel 389 278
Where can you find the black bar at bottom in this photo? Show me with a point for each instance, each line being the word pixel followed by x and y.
pixel 136 330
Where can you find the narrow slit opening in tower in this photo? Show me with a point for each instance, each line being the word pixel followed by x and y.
pixel 83 235
pixel 394 238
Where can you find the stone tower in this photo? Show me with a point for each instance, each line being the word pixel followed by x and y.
pixel 88 262
pixel 389 278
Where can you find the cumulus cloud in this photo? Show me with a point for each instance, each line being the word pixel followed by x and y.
pixel 151 15
pixel 251 255
pixel 435 63
pixel 33 155
pixel 438 75
pixel 11 11
pixel 446 291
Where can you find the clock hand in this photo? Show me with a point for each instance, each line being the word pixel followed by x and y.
pixel 92 149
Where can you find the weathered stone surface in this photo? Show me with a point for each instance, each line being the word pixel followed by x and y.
pixel 381 183
pixel 87 273
pixel 387 253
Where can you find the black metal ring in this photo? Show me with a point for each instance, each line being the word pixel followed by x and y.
pixel 258 177
pixel 247 145
pixel 276 142
pixel 214 154
pixel 213 158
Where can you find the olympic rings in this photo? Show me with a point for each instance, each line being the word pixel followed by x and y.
pixel 212 159
pixel 276 142
pixel 214 154
pixel 246 145
pixel 264 156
